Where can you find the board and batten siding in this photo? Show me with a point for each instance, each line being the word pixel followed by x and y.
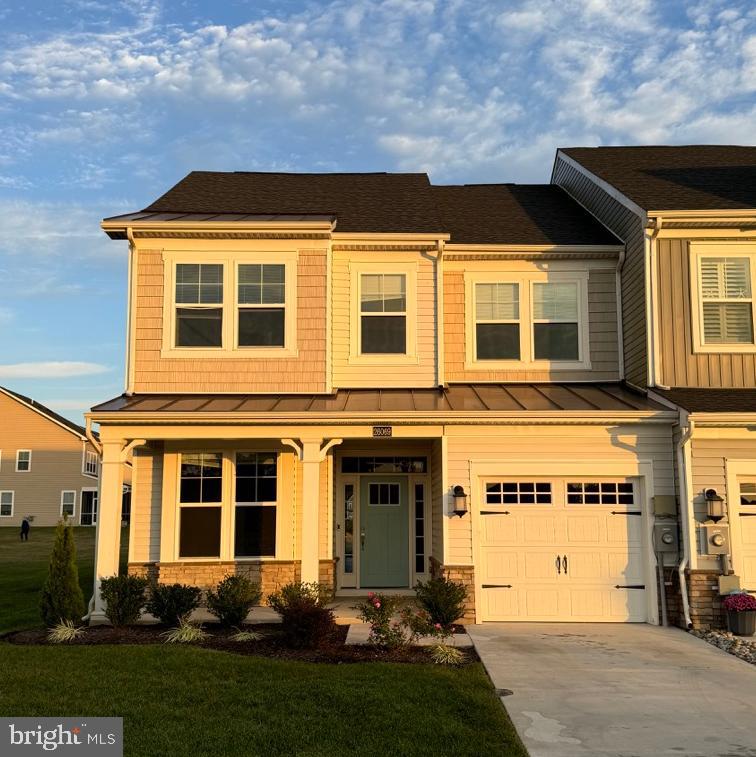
pixel 438 499
pixel 602 327
pixel 57 459
pixel 622 443
pixel 146 499
pixel 680 366
pixel 628 226
pixel 304 373
pixel 349 372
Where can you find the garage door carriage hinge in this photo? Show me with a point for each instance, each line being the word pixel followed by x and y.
pixel 496 586
pixel 631 586
pixel 495 512
pixel 626 512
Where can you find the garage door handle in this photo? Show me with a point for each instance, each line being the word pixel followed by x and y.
pixel 559 565
pixel 564 564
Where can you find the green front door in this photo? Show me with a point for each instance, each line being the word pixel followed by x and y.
pixel 384 532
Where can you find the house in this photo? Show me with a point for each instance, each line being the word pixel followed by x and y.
pixel 687 216
pixel 48 466
pixel 363 379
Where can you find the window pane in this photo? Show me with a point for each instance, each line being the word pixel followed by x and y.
pixel 393 293
pixel 256 477
pixel 348 528
pixel 384 334
pixel 255 531
pixel 556 341
pixel 200 284
pixel 261 327
pixel 728 322
pixel 262 284
pixel 497 302
pixel 497 341
pixel 725 278
pixel 200 532
pixel 383 293
pixel 555 301
pixel 201 477
pixel 197 327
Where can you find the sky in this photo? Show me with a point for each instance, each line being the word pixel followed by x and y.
pixel 104 104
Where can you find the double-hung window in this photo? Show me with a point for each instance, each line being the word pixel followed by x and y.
pixel 256 496
pixel 262 304
pixel 556 324
pixel 725 289
pixel 199 305
pixel 6 504
pixel 91 463
pixel 497 321
pixel 68 503
pixel 383 314
pixel 23 460
pixel 200 504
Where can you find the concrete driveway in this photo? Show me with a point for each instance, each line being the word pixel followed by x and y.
pixel 611 689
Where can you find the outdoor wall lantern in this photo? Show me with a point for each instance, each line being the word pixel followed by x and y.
pixel 714 505
pixel 460 501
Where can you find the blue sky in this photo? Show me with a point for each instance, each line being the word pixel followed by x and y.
pixel 105 104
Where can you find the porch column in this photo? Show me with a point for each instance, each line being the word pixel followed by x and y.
pixel 311 458
pixel 108 535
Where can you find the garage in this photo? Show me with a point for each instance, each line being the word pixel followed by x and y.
pixel 561 549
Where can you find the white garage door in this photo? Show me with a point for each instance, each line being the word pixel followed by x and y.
pixel 566 549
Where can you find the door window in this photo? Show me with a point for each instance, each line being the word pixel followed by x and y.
pixel 383 495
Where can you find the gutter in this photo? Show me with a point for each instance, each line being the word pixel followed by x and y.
pixel 90 436
pixel 685 482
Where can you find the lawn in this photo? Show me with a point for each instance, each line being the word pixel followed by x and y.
pixel 23 567
pixel 178 701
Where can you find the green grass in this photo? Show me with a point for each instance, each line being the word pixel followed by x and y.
pixel 178 701
pixel 23 567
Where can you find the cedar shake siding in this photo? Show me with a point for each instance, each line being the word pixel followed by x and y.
pixel 304 373
pixel 629 227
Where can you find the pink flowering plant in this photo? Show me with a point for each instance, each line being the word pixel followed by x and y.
pixel 379 613
pixel 420 623
pixel 740 602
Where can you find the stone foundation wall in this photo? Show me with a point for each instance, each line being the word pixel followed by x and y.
pixel 706 610
pixel 271 575
pixel 464 574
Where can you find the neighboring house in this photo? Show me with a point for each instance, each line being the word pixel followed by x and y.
pixel 688 218
pixel 363 379
pixel 48 468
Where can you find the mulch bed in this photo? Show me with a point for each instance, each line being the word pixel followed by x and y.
pixel 271 645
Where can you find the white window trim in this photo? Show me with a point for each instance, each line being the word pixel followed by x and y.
pixel 229 336
pixel 721 249
pixel 410 357
pixel 18 453
pixel 62 494
pixel 13 502
pixel 527 360
pixel 84 470
pixel 96 500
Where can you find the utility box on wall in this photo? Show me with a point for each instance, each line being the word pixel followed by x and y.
pixel 715 539
pixel 665 537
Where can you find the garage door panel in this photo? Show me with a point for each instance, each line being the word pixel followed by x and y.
pixel 500 529
pixel 540 564
pixel 500 564
pixel 590 565
pixel 501 604
pixel 627 605
pixel 585 529
pixel 625 565
pixel 624 529
pixel 543 603
pixel 539 529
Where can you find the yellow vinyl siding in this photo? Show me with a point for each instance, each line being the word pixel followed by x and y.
pixel 146 496
pixel 680 366
pixel 436 543
pixel 629 227
pixel 304 373
pixel 350 373
pixel 57 459
pixel 602 324
pixel 623 443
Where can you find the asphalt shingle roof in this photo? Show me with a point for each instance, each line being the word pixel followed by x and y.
pixel 711 400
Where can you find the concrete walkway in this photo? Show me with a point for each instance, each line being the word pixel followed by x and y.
pixel 612 689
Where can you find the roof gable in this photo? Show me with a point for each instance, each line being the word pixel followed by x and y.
pixel 51 415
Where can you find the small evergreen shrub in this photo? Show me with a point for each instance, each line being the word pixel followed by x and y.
pixel 171 603
pixel 61 599
pixel 443 600
pixel 305 620
pixel 232 600
pixel 124 597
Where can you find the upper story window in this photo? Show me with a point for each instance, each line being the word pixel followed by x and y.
pixel 230 304
pixel 527 320
pixel 722 295
pixel 199 305
pixel 23 460
pixel 383 313
pixel 262 305
pixel 91 463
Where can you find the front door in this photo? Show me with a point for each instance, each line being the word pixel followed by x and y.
pixel 384 532
pixel 88 515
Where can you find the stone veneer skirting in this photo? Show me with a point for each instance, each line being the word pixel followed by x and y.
pixel 270 574
pixel 703 595
pixel 464 574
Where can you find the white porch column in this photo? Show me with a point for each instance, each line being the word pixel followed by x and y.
pixel 311 458
pixel 108 537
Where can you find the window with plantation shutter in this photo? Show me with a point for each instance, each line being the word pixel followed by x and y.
pixel 726 300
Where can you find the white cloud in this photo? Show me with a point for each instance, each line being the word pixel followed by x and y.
pixel 51 370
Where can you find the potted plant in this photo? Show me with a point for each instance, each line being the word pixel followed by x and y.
pixel 741 613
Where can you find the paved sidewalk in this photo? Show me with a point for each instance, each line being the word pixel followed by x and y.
pixel 620 690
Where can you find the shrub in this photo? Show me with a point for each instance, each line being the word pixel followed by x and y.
pixel 740 602
pixel 185 633
pixel 124 597
pixel 171 603
pixel 378 611
pixel 443 654
pixel 306 621
pixel 64 631
pixel 442 599
pixel 247 636
pixel 420 623
pixel 61 599
pixel 232 600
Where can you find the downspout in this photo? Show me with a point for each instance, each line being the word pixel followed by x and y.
pixel 620 320
pixel 652 299
pixel 98 448
pixel 686 487
pixel 440 354
pixel 129 388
